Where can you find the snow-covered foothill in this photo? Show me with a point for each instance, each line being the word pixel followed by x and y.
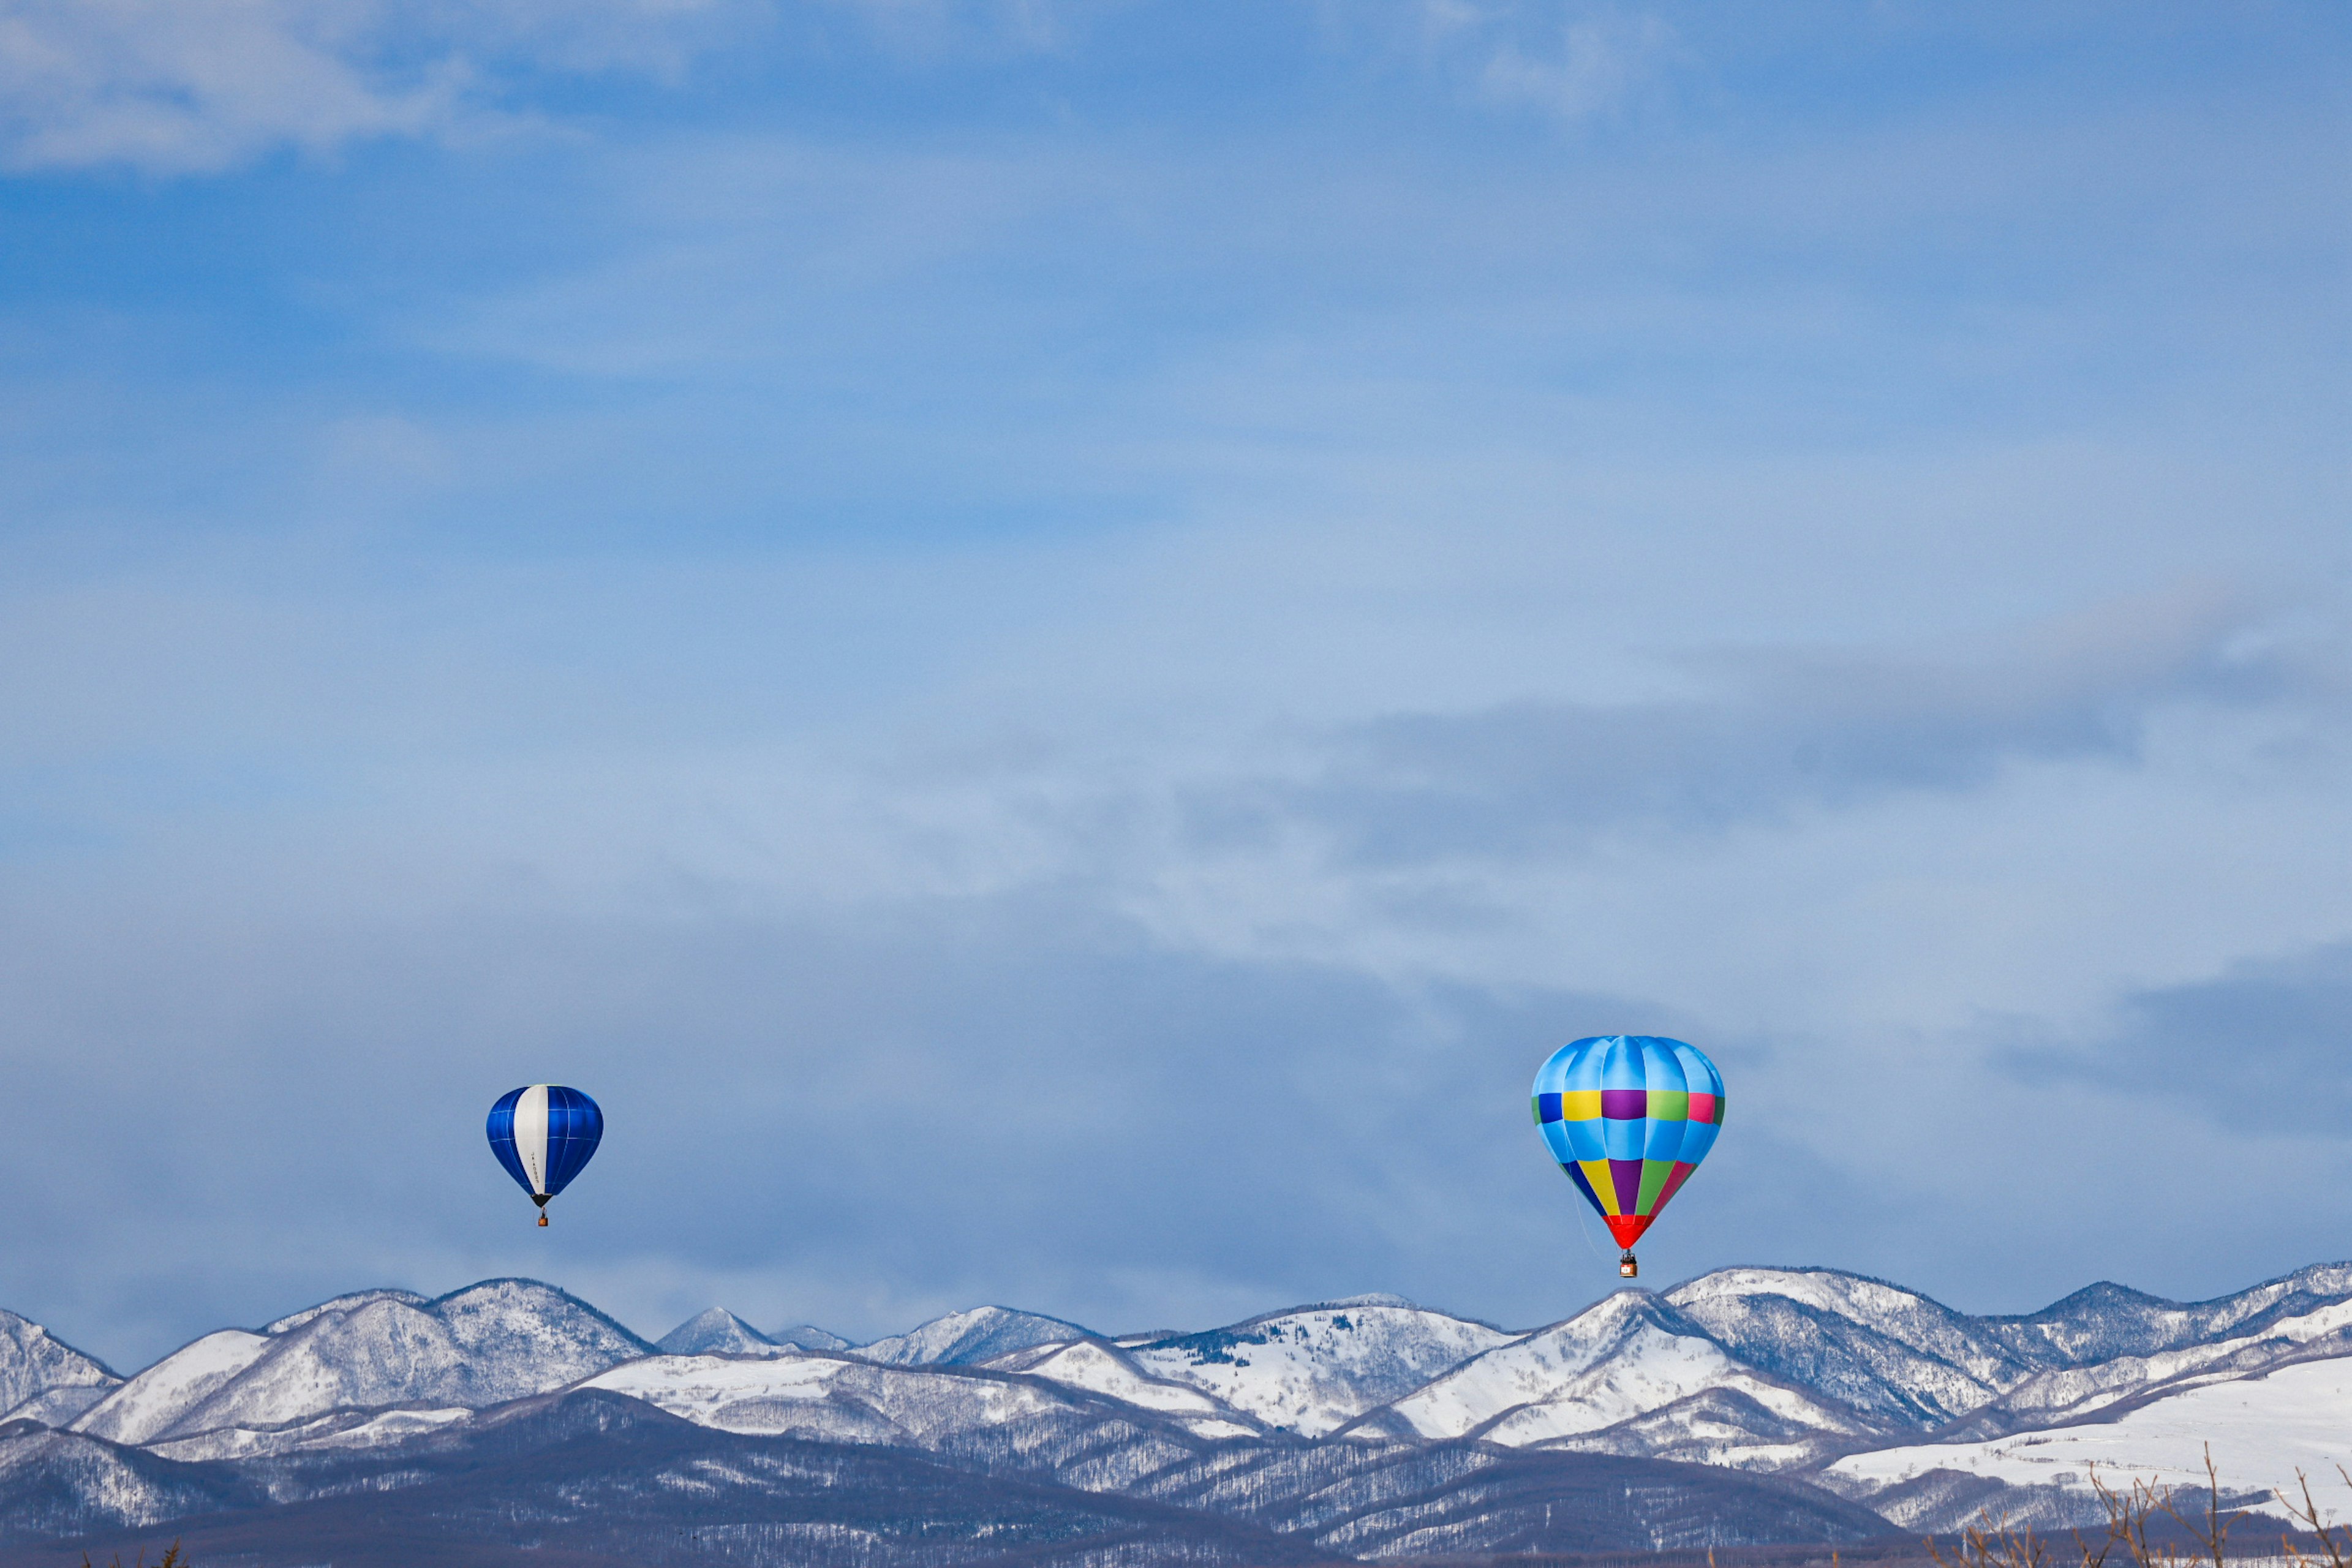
pixel 337 1429
pixel 1314 1369
pixel 61 1407
pixel 849 1399
pixel 2260 1431
pixel 1098 1367
pixel 63 1483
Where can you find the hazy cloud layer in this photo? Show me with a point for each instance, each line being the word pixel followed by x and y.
pixel 1802 731
pixel 2257 1050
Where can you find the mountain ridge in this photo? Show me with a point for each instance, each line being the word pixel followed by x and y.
pixel 1854 1392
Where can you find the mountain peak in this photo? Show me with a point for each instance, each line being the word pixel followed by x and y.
pixel 516 1309
pixel 718 1331
pixel 351 1302
pixel 968 1338
pixel 44 1379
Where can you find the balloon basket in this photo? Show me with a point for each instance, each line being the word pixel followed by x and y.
pixel 1626 1267
pixel 542 1219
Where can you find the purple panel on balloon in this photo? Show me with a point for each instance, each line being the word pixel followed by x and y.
pixel 1624 1104
pixel 1625 1176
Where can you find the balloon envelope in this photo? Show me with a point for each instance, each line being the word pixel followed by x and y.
pixel 1629 1117
pixel 543 1135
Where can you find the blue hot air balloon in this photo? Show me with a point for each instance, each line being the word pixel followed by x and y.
pixel 544 1135
pixel 1629 1117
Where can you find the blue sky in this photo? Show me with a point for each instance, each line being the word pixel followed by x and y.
pixel 1052 642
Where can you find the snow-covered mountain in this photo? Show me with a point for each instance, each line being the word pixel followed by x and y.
pixel 1632 1357
pixel 1314 1369
pixel 967 1339
pixel 719 1331
pixel 1856 1395
pixel 500 1340
pixel 809 1337
pixel 43 1379
pixel 1093 1366
pixel 1876 1347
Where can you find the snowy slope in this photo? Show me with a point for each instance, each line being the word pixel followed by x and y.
pixel 718 1331
pixel 342 1430
pixel 2103 1321
pixel 967 1339
pixel 145 1407
pixel 2073 1393
pixel 2261 1429
pixel 1632 1356
pixel 1315 1369
pixel 44 1379
pixel 1874 1346
pixel 498 1340
pixel 846 1399
pixel 1721 1425
pixel 1097 1367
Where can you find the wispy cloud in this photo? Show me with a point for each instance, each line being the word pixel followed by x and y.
pixel 1786 731
pixel 1574 63
pixel 193 86
pixel 1571 58
pixel 2259 1048
pixel 200 86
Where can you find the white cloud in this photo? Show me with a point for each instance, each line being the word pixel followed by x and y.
pixel 1575 65
pixel 193 86
pixel 197 86
pixel 1574 58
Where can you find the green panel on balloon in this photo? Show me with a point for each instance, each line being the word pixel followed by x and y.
pixel 1655 1173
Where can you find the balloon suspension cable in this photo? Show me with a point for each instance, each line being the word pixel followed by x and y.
pixel 1584 1229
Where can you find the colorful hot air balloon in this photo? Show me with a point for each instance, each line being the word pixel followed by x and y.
pixel 1629 1117
pixel 544 1135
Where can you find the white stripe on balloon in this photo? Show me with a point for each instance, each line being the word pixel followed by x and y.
pixel 531 1135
